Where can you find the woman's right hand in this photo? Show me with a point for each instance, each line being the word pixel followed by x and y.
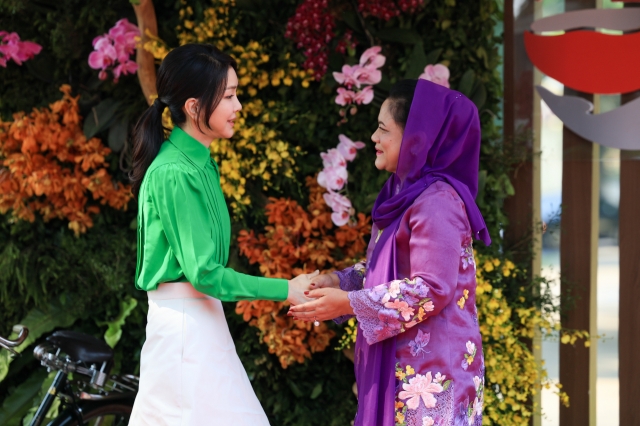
pixel 330 280
pixel 298 286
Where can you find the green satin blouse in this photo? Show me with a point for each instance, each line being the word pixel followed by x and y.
pixel 184 230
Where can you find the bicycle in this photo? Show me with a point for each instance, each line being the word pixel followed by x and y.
pixel 89 395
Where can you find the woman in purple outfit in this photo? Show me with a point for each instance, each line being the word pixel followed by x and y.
pixel 418 355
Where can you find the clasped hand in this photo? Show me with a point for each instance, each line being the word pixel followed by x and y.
pixel 329 301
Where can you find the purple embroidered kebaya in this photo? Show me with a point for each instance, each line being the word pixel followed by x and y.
pixel 418 356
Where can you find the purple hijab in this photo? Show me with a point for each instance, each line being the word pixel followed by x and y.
pixel 441 142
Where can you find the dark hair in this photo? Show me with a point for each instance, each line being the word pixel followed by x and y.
pixel 191 71
pixel 400 98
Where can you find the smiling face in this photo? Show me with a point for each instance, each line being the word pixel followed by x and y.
pixel 221 121
pixel 224 116
pixel 388 138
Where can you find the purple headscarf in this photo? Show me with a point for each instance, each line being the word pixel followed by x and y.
pixel 441 142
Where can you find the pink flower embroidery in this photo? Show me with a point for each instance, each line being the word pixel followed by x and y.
pixel 401 307
pixel 393 291
pixel 420 387
pixel 11 48
pixel 428 306
pixel 438 74
pixel 427 421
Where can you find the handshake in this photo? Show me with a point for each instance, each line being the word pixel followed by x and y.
pixel 317 297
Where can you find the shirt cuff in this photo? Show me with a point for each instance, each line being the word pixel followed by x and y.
pixel 273 289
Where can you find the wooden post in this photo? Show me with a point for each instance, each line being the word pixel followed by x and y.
pixel 146 17
pixel 522 117
pixel 629 313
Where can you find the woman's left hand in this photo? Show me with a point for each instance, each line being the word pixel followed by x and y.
pixel 330 303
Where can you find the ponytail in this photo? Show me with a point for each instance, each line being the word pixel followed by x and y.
pixel 196 71
pixel 148 136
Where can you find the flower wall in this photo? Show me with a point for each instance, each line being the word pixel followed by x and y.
pixel 298 176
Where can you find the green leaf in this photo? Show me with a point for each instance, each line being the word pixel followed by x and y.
pixel 446 385
pixel 417 62
pixel 114 332
pixel 479 95
pixel 118 134
pixel 482 181
pixel 40 322
pixel 399 35
pixel 100 117
pixel 18 402
pixel 316 391
pixel 432 57
pixel 466 83
pixel 295 389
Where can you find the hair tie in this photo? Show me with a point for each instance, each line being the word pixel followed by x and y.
pixel 159 105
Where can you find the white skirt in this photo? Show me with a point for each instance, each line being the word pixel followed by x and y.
pixel 190 373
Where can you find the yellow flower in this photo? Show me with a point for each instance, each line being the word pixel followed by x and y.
pixel 399 417
pixel 401 375
pixel 410 370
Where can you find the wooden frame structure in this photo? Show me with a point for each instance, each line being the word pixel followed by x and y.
pixel 579 228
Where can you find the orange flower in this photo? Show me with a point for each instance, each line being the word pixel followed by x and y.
pixel 297 241
pixel 48 167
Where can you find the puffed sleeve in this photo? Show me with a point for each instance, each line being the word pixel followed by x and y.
pixel 438 223
pixel 180 199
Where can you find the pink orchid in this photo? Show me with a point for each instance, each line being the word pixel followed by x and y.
pixel 471 348
pixel 420 387
pixel 348 76
pixel 372 59
pixel 333 178
pixel 365 96
pixel 366 75
pixel 124 68
pixel 116 46
pixel 438 74
pixel 12 48
pixel 338 203
pixel 333 158
pixel 345 96
pixel 348 148
pixel 340 219
pixel 104 56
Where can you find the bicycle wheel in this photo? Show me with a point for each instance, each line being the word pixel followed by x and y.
pixel 107 413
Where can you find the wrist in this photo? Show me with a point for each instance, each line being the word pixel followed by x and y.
pixel 335 279
pixel 346 306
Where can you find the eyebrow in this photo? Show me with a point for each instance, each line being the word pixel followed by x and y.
pixel 381 123
pixel 231 87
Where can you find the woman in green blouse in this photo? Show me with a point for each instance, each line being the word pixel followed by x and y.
pixel 190 373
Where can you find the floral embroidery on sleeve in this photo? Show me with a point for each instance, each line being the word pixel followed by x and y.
pixel 469 355
pixel 473 411
pixel 389 309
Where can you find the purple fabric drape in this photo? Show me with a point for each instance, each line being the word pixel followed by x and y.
pixel 441 142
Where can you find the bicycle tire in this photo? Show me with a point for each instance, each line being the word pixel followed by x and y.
pixel 94 410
